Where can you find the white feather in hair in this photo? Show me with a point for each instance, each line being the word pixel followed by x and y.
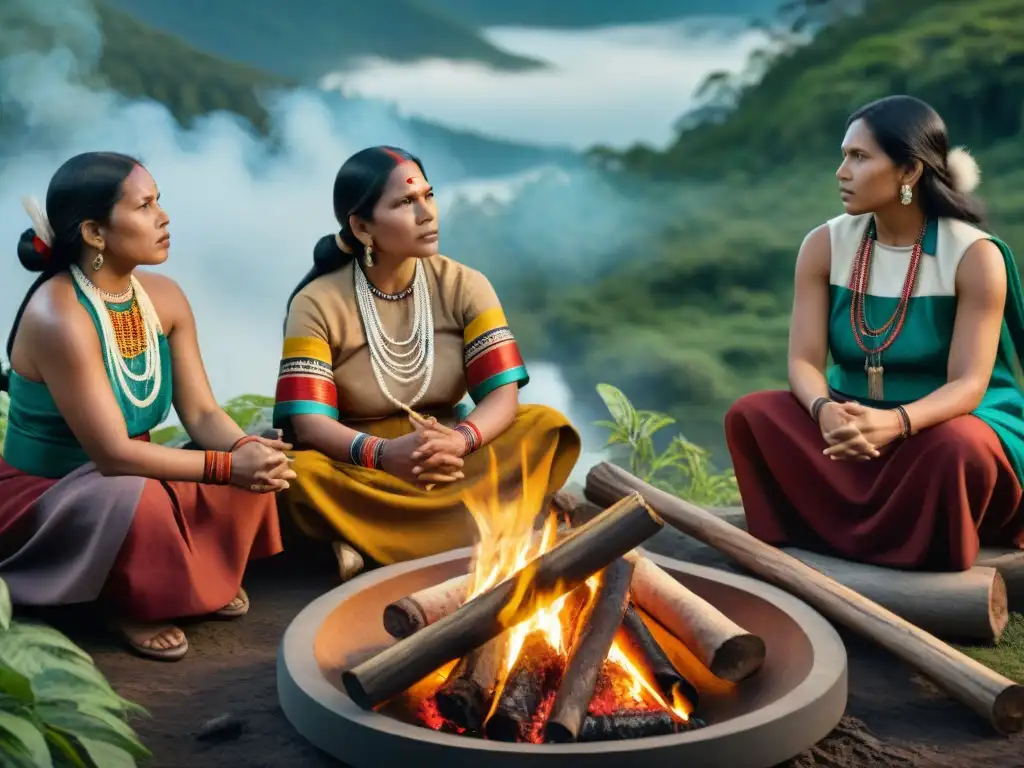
pixel 40 223
pixel 963 170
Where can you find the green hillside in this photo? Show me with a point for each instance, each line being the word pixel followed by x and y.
pixel 139 61
pixel 577 14
pixel 694 313
pixel 305 39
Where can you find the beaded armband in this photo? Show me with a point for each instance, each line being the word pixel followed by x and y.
pixel 904 420
pixel 366 451
pixel 217 470
pixel 471 434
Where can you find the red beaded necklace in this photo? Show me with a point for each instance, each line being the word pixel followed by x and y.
pixel 858 320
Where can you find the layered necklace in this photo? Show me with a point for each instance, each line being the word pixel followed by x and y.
pixel 888 333
pixel 126 335
pixel 408 360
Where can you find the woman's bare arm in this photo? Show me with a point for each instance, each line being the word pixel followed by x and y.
pixel 66 352
pixel 201 416
pixel 324 434
pixel 981 296
pixel 808 329
pixel 496 412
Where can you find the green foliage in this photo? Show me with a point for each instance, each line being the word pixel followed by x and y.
pixel 5 405
pixel 316 37
pixel 244 410
pixel 966 59
pixel 56 707
pixel 682 468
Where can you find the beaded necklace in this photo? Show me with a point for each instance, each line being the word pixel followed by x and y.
pixel 892 328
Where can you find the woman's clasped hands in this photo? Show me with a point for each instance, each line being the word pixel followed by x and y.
pixel 430 454
pixel 262 465
pixel 857 432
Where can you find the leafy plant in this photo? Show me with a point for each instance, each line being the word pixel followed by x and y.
pixel 682 468
pixel 244 410
pixel 56 707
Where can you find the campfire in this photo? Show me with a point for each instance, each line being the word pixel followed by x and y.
pixel 566 634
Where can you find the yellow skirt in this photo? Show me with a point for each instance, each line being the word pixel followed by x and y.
pixel 391 520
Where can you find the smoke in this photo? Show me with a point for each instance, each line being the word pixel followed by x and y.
pixel 245 209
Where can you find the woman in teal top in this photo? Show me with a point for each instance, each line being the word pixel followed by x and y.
pixel 90 509
pixel 908 449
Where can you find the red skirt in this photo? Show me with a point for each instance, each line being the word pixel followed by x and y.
pixel 928 503
pixel 155 550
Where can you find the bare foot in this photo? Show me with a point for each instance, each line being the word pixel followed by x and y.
pixel 350 562
pixel 157 641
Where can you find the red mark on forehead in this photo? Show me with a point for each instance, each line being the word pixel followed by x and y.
pixel 410 180
pixel 394 155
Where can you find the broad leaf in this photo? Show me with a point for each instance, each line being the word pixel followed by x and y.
pixel 13 752
pixel 6 608
pixel 66 749
pixel 79 687
pixel 105 755
pixel 92 723
pixel 619 407
pixel 28 735
pixel 14 686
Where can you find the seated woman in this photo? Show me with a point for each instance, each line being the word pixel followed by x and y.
pixel 909 451
pixel 89 508
pixel 384 323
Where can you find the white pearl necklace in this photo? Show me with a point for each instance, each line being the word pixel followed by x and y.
pixel 384 357
pixel 116 364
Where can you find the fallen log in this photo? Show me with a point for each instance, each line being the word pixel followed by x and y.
pixel 727 649
pixel 991 695
pixel 624 525
pixel 1010 564
pixel 960 606
pixel 597 627
pixel 411 613
pixel 643 650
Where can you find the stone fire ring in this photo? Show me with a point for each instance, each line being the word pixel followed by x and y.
pixel 794 701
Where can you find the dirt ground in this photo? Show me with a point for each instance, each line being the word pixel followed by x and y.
pixel 894 717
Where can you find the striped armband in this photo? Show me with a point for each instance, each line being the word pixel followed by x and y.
pixel 491 355
pixel 366 451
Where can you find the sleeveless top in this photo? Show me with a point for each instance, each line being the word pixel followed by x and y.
pixel 39 441
pixel 916 363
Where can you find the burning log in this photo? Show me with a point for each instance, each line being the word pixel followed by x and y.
pixel 410 614
pixel 623 526
pixel 630 724
pixel 993 696
pixel 643 650
pixel 597 628
pixel 536 673
pixel 465 698
pixel 729 651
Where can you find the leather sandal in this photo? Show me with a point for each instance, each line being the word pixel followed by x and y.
pixel 236 608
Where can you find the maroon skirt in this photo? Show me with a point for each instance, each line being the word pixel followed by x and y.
pixel 927 503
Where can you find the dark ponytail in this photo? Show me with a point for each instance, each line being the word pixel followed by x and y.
pixel 357 190
pixel 85 188
pixel 908 129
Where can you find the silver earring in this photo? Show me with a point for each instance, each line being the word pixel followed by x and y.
pixel 906 194
pixel 97 262
pixel 368 255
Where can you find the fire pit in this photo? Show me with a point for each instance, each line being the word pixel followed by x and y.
pixel 788 663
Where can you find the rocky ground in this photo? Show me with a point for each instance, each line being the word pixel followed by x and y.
pixel 894 717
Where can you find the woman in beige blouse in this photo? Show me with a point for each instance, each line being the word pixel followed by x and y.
pixel 382 324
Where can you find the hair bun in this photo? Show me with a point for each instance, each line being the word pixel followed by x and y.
pixel 963 170
pixel 30 255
